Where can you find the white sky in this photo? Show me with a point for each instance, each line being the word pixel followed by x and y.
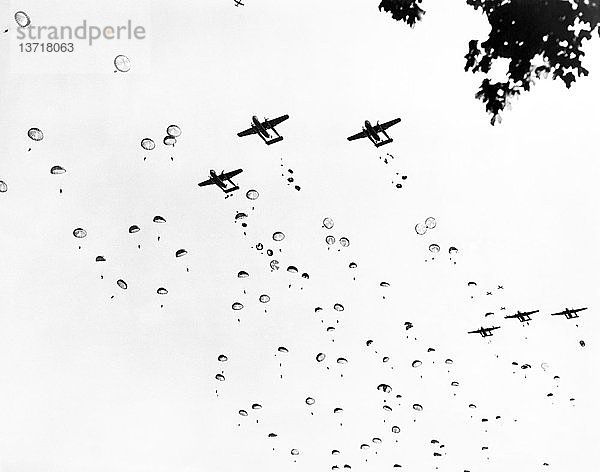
pixel 94 384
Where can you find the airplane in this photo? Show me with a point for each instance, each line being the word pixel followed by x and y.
pixel 570 313
pixel 372 132
pixel 221 180
pixel 523 317
pixel 262 129
pixel 485 332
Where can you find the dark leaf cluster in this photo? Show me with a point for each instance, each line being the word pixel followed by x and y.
pixel 538 38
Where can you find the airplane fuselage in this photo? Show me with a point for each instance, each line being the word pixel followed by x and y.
pixel 217 180
pixel 371 131
pixel 570 313
pixel 260 128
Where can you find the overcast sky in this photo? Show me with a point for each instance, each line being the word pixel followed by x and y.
pixel 94 383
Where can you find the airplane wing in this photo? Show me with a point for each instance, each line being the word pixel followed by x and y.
pixel 566 312
pixel 360 135
pixel 390 123
pixel 247 132
pixel 231 174
pixel 275 121
pixel 477 331
pixel 206 183
pixel 562 313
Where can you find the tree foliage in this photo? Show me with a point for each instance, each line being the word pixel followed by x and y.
pixel 408 11
pixel 538 39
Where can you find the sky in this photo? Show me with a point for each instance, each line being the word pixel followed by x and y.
pixel 96 378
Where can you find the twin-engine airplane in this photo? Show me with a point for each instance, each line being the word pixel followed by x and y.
pixel 262 129
pixel 222 180
pixel 570 313
pixel 485 332
pixel 523 317
pixel 373 132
